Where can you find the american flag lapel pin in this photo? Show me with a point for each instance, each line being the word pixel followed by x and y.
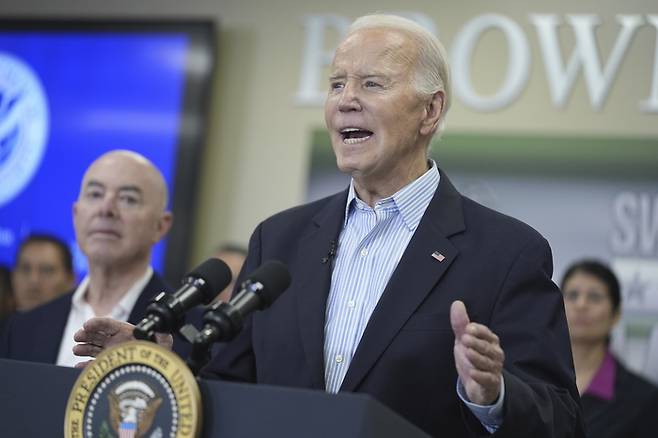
pixel 438 256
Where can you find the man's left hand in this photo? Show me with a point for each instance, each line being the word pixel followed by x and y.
pixel 97 334
pixel 478 357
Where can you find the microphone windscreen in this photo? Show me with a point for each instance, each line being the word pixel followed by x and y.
pixel 215 273
pixel 274 277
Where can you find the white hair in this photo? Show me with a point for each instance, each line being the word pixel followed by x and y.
pixel 432 70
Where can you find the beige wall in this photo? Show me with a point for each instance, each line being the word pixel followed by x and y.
pixel 256 158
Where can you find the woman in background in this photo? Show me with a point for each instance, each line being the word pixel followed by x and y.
pixel 616 403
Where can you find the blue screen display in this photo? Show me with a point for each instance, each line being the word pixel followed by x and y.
pixel 65 99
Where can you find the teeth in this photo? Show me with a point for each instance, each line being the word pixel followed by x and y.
pixel 350 130
pixel 355 140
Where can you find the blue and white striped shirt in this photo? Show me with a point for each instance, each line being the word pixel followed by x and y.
pixel 369 248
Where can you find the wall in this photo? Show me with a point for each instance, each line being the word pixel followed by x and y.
pixel 257 156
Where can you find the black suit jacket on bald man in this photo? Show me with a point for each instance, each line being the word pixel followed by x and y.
pixel 498 266
pixel 35 336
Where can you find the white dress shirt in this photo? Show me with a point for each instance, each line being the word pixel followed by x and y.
pixel 81 311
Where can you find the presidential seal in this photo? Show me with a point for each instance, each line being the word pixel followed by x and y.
pixel 23 125
pixel 133 390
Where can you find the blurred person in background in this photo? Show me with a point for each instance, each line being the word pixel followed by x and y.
pixel 120 214
pixel 43 271
pixel 233 256
pixel 7 306
pixel 616 402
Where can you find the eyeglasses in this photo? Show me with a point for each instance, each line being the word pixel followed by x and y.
pixel 591 297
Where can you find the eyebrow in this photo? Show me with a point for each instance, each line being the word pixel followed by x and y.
pixel 364 76
pixel 126 188
pixel 93 183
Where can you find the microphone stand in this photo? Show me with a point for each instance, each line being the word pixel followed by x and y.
pixel 222 321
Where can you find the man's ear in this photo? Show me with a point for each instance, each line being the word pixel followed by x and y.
pixel 433 113
pixel 164 224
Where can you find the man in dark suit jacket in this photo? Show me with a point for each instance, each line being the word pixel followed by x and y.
pixel 33 336
pixel 397 327
pixel 119 215
pixel 499 267
pixel 382 109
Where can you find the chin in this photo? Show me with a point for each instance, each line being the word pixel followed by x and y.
pixel 101 255
pixel 346 166
pixel 587 338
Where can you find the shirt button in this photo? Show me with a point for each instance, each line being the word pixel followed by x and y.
pixel 350 303
pixel 339 358
pixel 364 252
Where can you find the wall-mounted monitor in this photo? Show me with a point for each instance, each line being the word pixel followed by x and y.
pixel 72 90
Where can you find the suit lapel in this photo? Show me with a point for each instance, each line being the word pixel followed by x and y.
pixel 413 279
pixel 314 281
pixel 152 288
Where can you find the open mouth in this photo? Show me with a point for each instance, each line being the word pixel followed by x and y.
pixel 355 135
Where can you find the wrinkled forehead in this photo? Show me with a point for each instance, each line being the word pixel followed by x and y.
pixel 116 170
pixel 122 170
pixel 372 48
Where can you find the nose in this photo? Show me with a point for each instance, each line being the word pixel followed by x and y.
pixel 32 276
pixel 581 301
pixel 349 98
pixel 108 206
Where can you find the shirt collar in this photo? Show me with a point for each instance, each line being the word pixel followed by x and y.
pixel 603 382
pixel 127 302
pixel 411 200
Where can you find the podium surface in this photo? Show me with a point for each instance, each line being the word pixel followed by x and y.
pixel 33 399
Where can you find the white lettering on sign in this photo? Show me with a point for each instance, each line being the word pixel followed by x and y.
pixel 518 68
pixel 316 57
pixel 651 104
pixel 585 55
pixel 636 224
pixel 598 71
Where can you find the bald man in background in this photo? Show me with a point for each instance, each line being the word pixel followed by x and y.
pixel 120 214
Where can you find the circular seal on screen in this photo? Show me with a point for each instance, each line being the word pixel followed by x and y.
pixel 23 125
pixel 136 389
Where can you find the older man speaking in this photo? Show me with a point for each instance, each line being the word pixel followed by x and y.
pixel 402 288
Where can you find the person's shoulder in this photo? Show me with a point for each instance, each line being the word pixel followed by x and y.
pixel 635 385
pixel 494 223
pixel 52 312
pixel 305 212
pixel 55 307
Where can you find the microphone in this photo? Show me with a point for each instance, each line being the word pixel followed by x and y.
pixel 223 321
pixel 166 312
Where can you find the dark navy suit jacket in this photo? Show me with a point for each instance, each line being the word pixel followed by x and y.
pixel 36 335
pixel 501 269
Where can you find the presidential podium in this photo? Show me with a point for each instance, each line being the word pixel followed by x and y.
pixel 33 400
